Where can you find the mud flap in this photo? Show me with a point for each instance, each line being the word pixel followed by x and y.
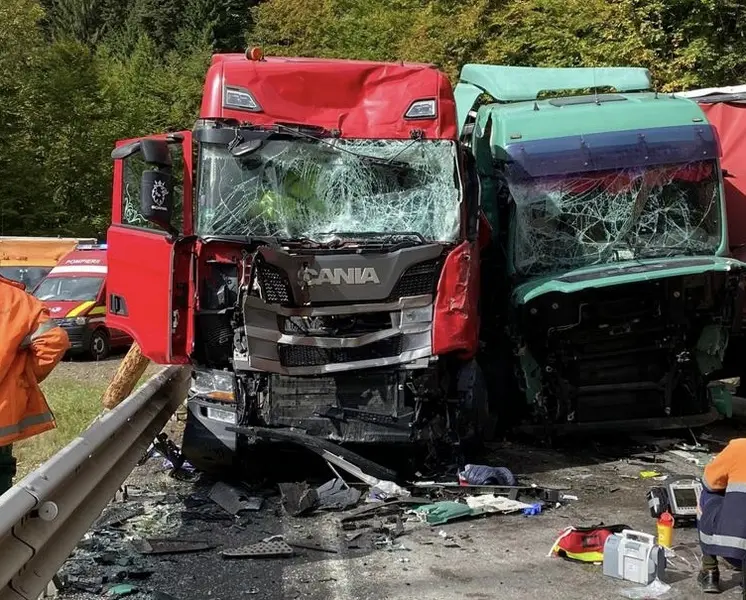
pixel 475 414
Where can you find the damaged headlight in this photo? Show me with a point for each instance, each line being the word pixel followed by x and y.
pixel 215 385
pixel 417 315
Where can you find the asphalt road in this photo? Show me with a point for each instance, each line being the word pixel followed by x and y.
pixel 488 557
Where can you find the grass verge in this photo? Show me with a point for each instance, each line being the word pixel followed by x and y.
pixel 75 403
pixel 74 391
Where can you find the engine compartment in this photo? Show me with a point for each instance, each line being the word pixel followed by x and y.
pixel 640 350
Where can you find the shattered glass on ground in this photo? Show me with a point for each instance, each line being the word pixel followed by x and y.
pixel 301 188
pixel 577 220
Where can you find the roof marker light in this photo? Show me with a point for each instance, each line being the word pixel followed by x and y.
pixel 421 109
pixel 239 98
pixel 255 53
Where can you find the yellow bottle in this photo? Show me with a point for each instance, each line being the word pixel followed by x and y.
pixel 665 530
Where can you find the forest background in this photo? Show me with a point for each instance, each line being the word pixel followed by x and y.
pixel 76 75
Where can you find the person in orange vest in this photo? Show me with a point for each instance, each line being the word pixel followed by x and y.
pixel 31 345
pixel 721 514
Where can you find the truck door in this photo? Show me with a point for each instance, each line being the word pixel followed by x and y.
pixel 149 289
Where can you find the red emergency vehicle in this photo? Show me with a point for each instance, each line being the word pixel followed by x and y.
pixel 75 293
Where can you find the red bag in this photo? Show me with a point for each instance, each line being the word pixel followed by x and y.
pixel 584 544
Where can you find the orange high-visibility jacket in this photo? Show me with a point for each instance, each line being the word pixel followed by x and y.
pixel 31 345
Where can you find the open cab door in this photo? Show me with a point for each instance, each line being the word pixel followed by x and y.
pixel 150 246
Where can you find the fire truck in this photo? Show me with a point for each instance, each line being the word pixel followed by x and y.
pixel 312 248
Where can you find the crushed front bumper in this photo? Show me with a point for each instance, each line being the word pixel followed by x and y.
pixel 207 444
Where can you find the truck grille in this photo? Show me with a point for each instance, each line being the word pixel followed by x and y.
pixel 311 356
pixel 274 284
pixel 417 280
pixel 336 325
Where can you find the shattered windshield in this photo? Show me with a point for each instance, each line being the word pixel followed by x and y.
pixel 575 220
pixel 301 188
pixel 69 289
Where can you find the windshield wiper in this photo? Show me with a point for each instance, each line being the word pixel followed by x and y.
pixel 375 160
pixel 386 238
pixel 650 251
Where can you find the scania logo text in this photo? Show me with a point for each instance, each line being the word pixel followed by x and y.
pixel 337 276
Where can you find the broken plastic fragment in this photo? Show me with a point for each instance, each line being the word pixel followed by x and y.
pixel 653 590
pixel 123 589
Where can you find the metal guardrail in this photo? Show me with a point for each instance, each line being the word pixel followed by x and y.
pixel 43 516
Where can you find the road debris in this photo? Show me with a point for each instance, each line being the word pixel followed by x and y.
pixel 123 589
pixel 654 590
pixel 533 509
pixel 232 499
pixel 699 459
pixel 486 475
pixel 442 512
pixel 489 503
pixel 298 499
pixel 116 515
pixel 364 469
pixel 273 547
pixel 318 548
pixel 335 494
pixel 170 545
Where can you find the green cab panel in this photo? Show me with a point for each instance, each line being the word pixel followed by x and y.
pixel 621 274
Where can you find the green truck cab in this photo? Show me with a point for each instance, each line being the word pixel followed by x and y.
pixel 608 274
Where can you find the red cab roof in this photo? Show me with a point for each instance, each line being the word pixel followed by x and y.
pixel 361 99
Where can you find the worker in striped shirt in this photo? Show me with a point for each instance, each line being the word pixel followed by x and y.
pixel 722 514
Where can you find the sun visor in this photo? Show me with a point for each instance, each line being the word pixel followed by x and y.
pixel 612 150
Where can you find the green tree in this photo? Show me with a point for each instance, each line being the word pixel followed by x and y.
pixel 20 55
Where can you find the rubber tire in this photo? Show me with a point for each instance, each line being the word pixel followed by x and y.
pixel 99 347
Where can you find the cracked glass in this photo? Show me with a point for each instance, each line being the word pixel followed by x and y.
pixel 308 188
pixel 578 220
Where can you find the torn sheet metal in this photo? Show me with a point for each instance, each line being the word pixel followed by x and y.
pixel 233 499
pixel 337 495
pixel 116 515
pixel 170 546
pixel 298 498
pixel 270 548
pixel 366 470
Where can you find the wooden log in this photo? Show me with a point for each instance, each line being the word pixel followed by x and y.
pixel 125 379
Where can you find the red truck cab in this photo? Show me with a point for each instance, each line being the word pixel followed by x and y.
pixel 74 291
pixel 311 247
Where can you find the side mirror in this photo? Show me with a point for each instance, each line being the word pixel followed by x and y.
pixel 157 184
pixel 157 197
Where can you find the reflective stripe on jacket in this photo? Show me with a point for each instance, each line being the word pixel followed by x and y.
pixel 722 519
pixel 31 345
